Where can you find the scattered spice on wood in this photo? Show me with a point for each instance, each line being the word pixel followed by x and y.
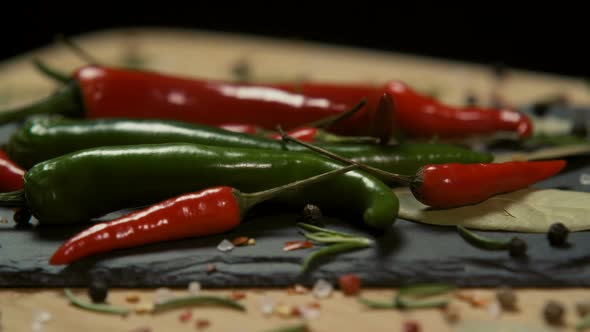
pixel 143 308
pixel 507 298
pixel 285 310
pixel 202 324
pixel 451 312
pixel 297 289
pixel 350 284
pixel 553 312
pixel 474 299
pixel 185 316
pixel 295 245
pixel 411 326
pixel 251 241
pixel 132 298
pixel 237 295
pixel 240 241
pixel 142 329
pixel 583 308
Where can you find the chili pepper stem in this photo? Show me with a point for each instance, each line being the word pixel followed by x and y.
pixel 13 198
pixel 67 100
pixel 332 120
pixel 403 179
pixel 248 200
pixel 327 137
pixel 77 49
pixel 50 72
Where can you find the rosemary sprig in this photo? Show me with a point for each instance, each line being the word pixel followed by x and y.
pixel 338 242
pixel 104 308
pixel 198 300
pixel 300 327
pixel 480 241
pixel 406 297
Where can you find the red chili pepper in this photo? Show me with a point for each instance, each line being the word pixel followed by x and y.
pixel 11 176
pixel 109 92
pixel 454 185
pixel 206 212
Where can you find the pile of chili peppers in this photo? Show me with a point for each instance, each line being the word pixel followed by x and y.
pixel 188 148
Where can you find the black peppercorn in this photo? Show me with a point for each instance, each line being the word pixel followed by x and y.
pixel 22 218
pixel 553 312
pixel 557 234
pixel 506 298
pixel 541 109
pixel 98 291
pixel 312 215
pixel 517 247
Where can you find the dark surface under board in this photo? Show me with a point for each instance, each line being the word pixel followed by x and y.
pixel 408 253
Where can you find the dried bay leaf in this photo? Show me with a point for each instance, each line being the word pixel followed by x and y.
pixel 527 210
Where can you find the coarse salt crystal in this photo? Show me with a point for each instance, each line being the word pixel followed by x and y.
pixel 41 316
pixel 322 289
pixel 194 287
pixel 163 295
pixel 307 312
pixel 225 246
pixel 266 305
pixel 37 326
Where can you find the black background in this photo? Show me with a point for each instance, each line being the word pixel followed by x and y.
pixel 552 39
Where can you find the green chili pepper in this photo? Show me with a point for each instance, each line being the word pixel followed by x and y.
pixel 90 183
pixel 377 304
pixel 197 300
pixel 43 138
pixel 104 308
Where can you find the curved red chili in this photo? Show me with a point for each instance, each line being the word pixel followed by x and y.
pixel 11 176
pixel 453 185
pixel 206 212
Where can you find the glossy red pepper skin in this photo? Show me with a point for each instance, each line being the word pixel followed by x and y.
pixel 453 185
pixel 11 176
pixel 305 134
pixel 210 211
pixel 108 92
pixel 241 128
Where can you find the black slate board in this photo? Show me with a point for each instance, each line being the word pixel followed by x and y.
pixel 408 253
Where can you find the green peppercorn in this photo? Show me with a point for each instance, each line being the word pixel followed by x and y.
pixel 312 214
pixel 98 291
pixel 506 298
pixel 557 234
pixel 553 312
pixel 517 247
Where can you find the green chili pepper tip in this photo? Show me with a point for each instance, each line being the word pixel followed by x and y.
pixel 377 304
pixel 104 308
